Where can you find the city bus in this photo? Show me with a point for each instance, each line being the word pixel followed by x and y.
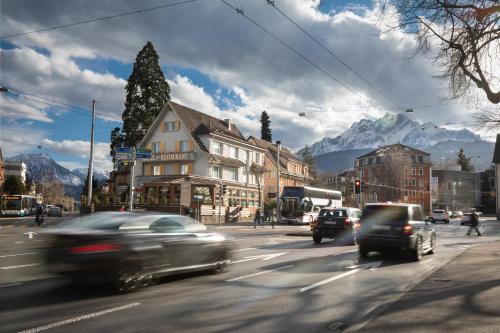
pixel 18 205
pixel 301 205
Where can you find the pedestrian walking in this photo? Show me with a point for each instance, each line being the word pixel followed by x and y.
pixel 258 218
pixel 474 223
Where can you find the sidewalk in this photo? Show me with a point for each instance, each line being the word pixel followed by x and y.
pixel 462 296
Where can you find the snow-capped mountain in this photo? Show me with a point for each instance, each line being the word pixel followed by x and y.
pixel 389 129
pixel 41 167
pixel 100 176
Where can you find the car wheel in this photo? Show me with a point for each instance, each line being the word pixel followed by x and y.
pixel 447 221
pixel 128 278
pixel 432 221
pixel 433 244
pixel 221 265
pixel 317 239
pixel 363 252
pixel 417 254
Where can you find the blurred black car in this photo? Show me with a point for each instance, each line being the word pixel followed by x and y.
pixel 131 250
pixel 54 211
pixel 388 227
pixel 336 223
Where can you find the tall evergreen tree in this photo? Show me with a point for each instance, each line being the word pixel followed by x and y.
pixel 147 92
pixel 464 161
pixel 117 140
pixel 265 127
pixel 308 158
pixel 14 185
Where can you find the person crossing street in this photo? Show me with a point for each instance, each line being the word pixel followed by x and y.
pixel 474 223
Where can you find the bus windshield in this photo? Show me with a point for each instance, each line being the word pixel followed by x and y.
pixel 11 204
pixel 292 205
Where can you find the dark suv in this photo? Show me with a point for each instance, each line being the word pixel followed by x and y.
pixel 389 227
pixel 336 222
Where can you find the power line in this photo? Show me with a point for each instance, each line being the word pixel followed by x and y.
pixel 103 18
pixel 273 5
pixel 240 11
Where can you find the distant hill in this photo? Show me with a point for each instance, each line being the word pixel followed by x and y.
pixel 41 167
pixel 338 153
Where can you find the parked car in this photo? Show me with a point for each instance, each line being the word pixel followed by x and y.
pixel 439 215
pixel 54 211
pixel 459 214
pixel 130 250
pixel 392 227
pixel 335 223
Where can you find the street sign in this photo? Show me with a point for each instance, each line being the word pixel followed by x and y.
pixel 143 155
pixel 143 151
pixel 123 156
pixel 198 196
pixel 123 150
pixel 126 162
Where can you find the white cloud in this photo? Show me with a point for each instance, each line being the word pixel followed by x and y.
pixel 17 139
pixel 81 148
pixel 211 38
pixel 13 108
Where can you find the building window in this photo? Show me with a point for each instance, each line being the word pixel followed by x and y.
pixel 184 146
pixel 414 194
pixel 217 148
pixel 370 161
pixel 420 159
pixel 244 177
pixel 379 159
pixel 216 171
pixel 170 126
pixel 257 158
pixel 370 172
pixel 184 169
pixel 232 174
pixel 156 147
pixel 233 151
pixel 406 182
pixel 413 170
pixel 413 182
pixel 421 183
pixel 243 155
pixel 420 171
pixel 361 173
pixel 156 170
pixel 450 186
pixel 413 159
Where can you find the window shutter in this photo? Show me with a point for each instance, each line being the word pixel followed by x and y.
pixel 177 146
pixel 147 169
pixel 177 125
pixel 190 146
pixel 190 169
pixel 177 169
pixel 162 169
pixel 149 146
pixel 162 147
pixel 162 127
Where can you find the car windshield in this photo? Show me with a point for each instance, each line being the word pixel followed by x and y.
pixel 382 213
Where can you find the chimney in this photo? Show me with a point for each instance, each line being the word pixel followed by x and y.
pixel 228 124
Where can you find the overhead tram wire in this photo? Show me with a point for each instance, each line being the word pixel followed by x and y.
pixel 103 18
pixel 240 11
pixel 273 5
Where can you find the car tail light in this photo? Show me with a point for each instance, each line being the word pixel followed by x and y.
pixel 347 222
pixel 407 230
pixel 95 248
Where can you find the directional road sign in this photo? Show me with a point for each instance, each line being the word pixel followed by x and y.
pixel 143 151
pixel 124 156
pixel 143 155
pixel 123 150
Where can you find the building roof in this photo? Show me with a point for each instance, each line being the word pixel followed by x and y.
pixel 197 123
pixel 383 149
pixel 272 151
pixel 496 153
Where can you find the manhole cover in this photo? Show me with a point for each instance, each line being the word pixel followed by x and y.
pixel 338 326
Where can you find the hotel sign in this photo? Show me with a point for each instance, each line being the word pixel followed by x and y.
pixel 172 156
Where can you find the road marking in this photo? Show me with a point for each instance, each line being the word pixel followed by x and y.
pixel 370 265
pixel 30 234
pixel 10 285
pixel 259 273
pixel 262 256
pixel 19 242
pixel 20 266
pixel 333 278
pixel 80 318
pixel 15 255
pixel 247 249
pixel 350 251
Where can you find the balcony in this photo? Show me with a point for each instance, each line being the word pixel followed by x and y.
pixel 172 157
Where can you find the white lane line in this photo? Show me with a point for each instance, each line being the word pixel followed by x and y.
pixel 19 242
pixel 333 278
pixel 262 257
pixel 246 249
pixel 20 266
pixel 259 273
pixel 350 251
pixel 10 285
pixel 15 255
pixel 80 318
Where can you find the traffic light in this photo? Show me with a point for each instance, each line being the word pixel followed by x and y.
pixel 224 189
pixel 363 186
pixel 357 186
pixel 352 187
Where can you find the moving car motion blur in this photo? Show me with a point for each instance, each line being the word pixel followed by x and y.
pixel 388 227
pixel 336 222
pixel 130 250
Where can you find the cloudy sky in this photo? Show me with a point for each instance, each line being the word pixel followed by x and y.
pixel 215 61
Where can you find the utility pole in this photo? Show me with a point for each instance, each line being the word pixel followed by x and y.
pixel 131 192
pixel 91 161
pixel 220 202
pixel 278 176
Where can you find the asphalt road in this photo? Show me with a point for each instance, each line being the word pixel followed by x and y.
pixel 276 283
